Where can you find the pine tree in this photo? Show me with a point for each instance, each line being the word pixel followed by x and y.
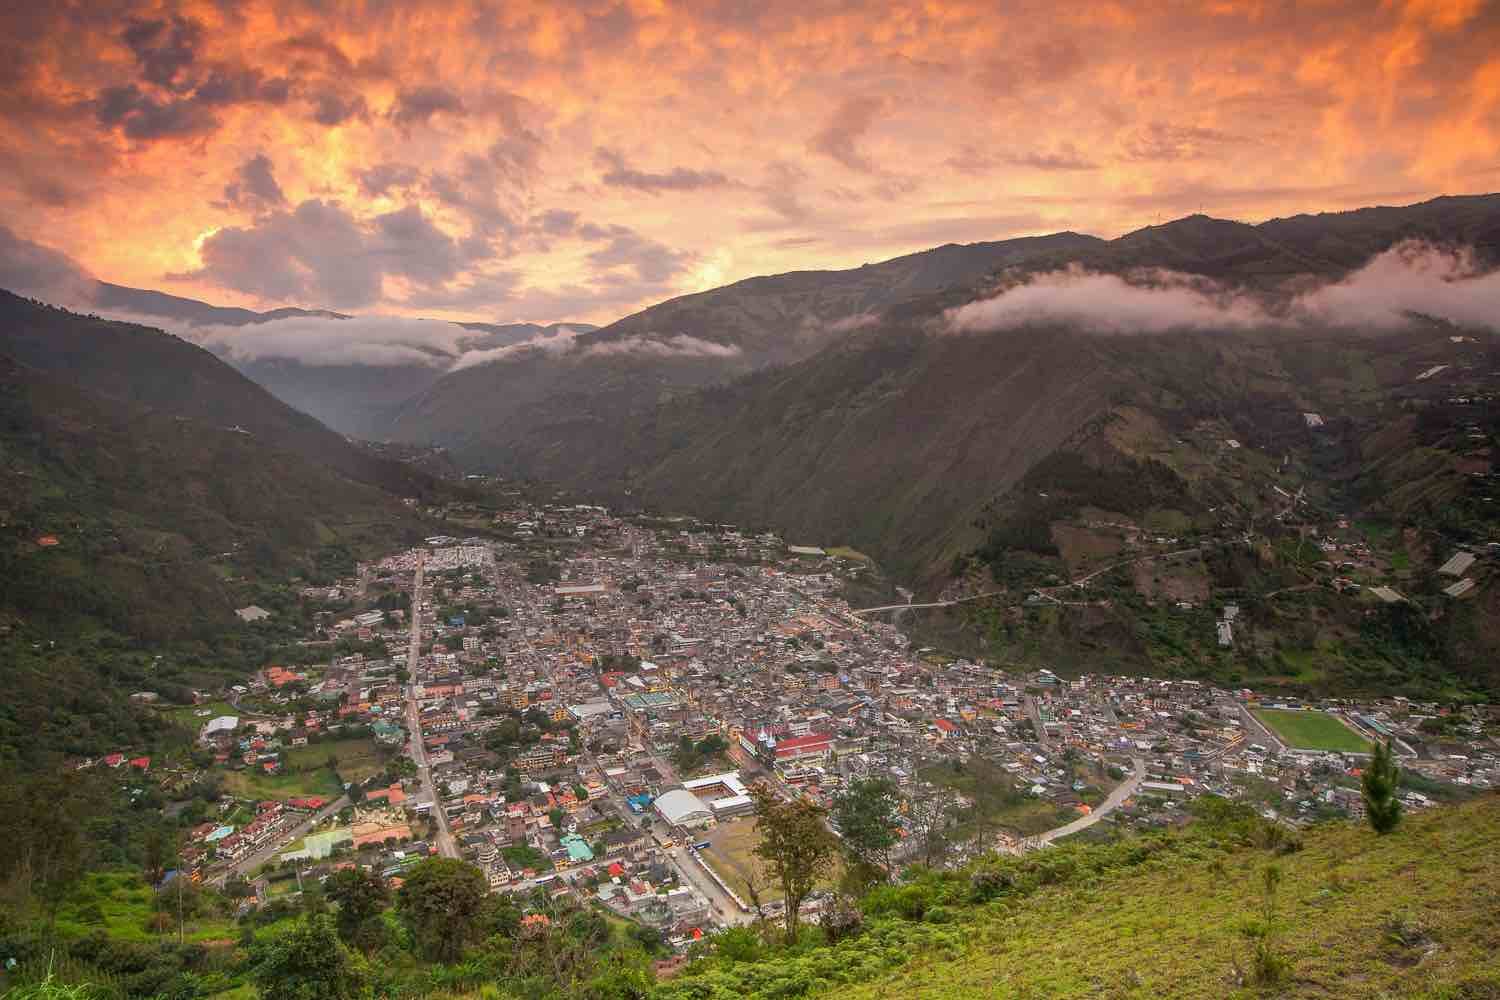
pixel 1380 781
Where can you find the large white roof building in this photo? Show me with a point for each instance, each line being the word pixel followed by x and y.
pixel 680 807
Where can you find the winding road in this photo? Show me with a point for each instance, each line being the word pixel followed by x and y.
pixel 1112 802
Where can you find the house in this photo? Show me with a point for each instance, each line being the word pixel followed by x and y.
pixel 252 613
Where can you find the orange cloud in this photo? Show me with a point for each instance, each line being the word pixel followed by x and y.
pixel 575 160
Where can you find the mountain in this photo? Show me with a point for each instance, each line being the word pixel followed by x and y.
pixel 146 491
pixel 355 397
pixel 145 366
pixel 147 303
pixel 529 412
pixel 128 536
pixel 535 412
pixel 1025 456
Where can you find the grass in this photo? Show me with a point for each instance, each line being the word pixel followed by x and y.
pixel 1312 730
pixel 731 855
pixel 845 552
pixel 1414 914
pixel 120 903
pixel 256 784
pixel 1177 929
pixel 187 715
pixel 358 758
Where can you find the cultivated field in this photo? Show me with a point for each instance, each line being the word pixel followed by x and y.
pixel 1312 730
pixel 358 759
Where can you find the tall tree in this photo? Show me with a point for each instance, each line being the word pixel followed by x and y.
pixel 796 846
pixel 1380 781
pixel 930 816
pixel 440 902
pixel 156 851
pixel 305 963
pixel 360 895
pixel 866 815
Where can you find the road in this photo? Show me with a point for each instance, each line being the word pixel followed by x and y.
pixel 1124 791
pixel 1035 714
pixel 1047 591
pixel 446 845
pixel 692 872
pixel 248 864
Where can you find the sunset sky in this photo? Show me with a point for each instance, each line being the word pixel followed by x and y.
pixel 578 160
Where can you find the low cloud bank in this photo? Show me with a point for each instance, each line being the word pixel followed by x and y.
pixel 367 340
pixel 554 343
pixel 1407 279
pixel 679 346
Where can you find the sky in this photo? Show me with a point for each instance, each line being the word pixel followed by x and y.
pixel 577 161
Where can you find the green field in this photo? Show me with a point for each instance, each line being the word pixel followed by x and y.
pixel 1312 730
pixel 187 715
pixel 358 758
pixel 256 784
pixel 120 903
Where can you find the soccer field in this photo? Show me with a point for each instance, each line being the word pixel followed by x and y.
pixel 1312 730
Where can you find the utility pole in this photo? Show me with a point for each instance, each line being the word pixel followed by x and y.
pixel 180 877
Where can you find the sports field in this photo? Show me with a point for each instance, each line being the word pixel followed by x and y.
pixel 1312 730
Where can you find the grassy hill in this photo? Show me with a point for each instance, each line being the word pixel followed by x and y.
pixel 1415 914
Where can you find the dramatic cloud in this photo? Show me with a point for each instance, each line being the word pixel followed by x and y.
pixel 417 105
pixel 617 173
pixel 381 178
pixel 731 139
pixel 1046 63
pixel 972 160
pixel 1167 142
pixel 840 138
pixel 320 253
pixel 164 48
pixel 254 186
pixel 1412 279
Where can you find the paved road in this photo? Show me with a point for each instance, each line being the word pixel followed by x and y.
pixel 444 841
pixel 251 862
pixel 1046 591
pixel 1125 790
pixel 692 872
pixel 1035 714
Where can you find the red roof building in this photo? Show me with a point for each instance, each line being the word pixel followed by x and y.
pixel 811 745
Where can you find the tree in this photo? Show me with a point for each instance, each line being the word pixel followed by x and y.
pixel 866 815
pixel 305 963
pixel 796 846
pixel 1379 783
pixel 930 817
pixel 156 849
pixel 360 895
pixel 440 903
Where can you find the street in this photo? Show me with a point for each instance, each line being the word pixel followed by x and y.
pixel 248 864
pixel 1124 791
pixel 443 840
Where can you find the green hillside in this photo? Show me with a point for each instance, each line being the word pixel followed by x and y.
pixel 1415 914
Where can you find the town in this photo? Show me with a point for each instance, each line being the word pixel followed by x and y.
pixel 584 707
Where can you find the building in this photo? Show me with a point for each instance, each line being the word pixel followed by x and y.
pixel 681 807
